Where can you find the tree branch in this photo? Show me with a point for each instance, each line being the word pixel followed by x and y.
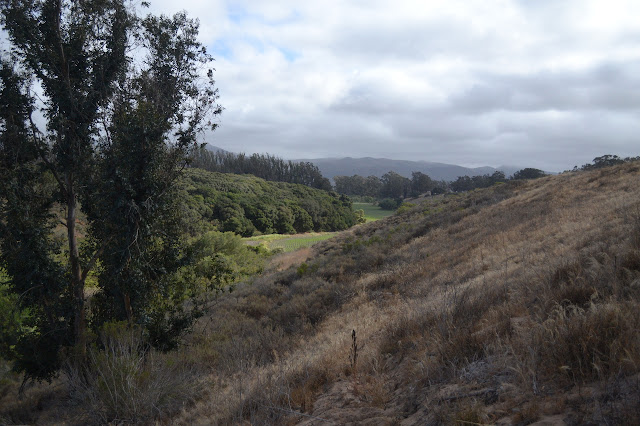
pixel 35 131
pixel 94 258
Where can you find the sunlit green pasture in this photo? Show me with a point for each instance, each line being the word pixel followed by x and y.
pixel 371 212
pixel 289 243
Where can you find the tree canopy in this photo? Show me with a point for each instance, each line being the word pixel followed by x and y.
pixel 264 166
pixel 466 183
pixel 247 205
pixel 124 98
pixel 528 173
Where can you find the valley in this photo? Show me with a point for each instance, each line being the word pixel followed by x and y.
pixel 505 305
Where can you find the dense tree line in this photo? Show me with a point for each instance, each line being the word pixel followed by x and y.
pixel 606 161
pixel 390 185
pixel 393 187
pixel 264 166
pixel 528 173
pixel 247 205
pixel 467 183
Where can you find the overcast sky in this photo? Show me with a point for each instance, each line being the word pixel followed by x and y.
pixel 545 83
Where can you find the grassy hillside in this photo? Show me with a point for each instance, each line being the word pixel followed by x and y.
pixel 512 304
pixel 248 205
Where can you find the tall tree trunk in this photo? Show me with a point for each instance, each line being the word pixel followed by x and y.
pixel 77 280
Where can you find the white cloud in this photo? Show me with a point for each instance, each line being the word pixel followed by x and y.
pixel 546 84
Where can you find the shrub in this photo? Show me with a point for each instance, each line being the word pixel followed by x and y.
pixel 9 317
pixel 590 344
pixel 388 204
pixel 405 207
pixel 528 173
pixel 127 382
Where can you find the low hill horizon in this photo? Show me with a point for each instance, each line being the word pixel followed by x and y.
pixel 370 166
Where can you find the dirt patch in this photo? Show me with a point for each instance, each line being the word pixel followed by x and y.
pixel 284 261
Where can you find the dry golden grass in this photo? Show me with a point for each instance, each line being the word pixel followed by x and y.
pixel 284 261
pixel 482 306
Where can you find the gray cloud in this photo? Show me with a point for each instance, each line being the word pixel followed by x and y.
pixel 612 86
pixel 543 84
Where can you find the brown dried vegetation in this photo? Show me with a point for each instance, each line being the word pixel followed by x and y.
pixel 509 305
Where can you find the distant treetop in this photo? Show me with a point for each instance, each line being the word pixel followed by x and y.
pixel 265 166
pixel 606 161
pixel 528 173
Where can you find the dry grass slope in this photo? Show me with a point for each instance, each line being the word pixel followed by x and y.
pixel 512 304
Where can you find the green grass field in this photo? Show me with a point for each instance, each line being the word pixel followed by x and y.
pixel 371 212
pixel 289 243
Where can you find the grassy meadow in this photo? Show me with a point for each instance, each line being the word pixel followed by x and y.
pixel 289 243
pixel 372 212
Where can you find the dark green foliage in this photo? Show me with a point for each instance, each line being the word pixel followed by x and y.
pixel 466 183
pixel 27 252
pixel 528 173
pixel 264 166
pixel 439 189
pixel 76 52
pixel 212 262
pixel 247 205
pixel 372 186
pixel 463 183
pixel 120 127
pixel 360 216
pixel 284 221
pixel 302 221
pixel 389 204
pixel 10 317
pixel 232 217
pixel 421 183
pixel 358 185
pixel 603 161
pixel 134 208
pixel 395 186
pixel 392 185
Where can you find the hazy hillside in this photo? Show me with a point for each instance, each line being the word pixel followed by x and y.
pixel 369 166
pixel 214 148
pixel 507 305
pixel 348 166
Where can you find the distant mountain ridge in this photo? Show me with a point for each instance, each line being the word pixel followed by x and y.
pixel 369 166
pixel 214 148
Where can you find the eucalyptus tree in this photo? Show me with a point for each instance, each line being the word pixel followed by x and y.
pixel 124 98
